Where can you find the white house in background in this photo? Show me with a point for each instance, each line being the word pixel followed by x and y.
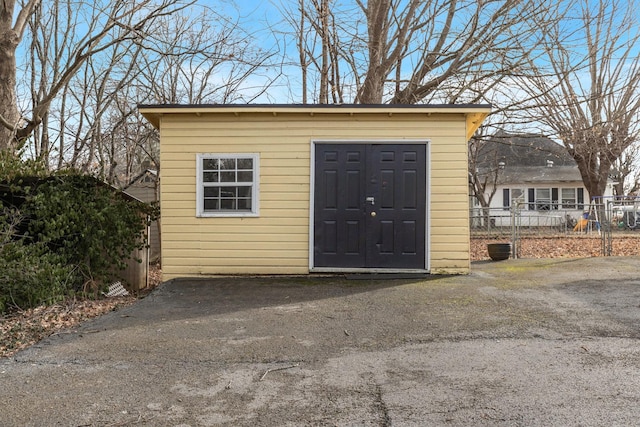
pixel 537 174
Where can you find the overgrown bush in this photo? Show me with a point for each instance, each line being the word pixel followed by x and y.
pixel 31 276
pixel 86 223
pixel 72 235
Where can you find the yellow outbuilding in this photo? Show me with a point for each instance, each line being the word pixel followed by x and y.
pixel 297 189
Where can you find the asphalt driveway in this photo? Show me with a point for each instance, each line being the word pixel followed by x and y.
pixel 516 343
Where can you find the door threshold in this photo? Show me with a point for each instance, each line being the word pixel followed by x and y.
pixel 375 273
pixel 386 276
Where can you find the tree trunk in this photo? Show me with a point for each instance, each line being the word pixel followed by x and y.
pixel 594 178
pixel 324 75
pixel 372 89
pixel 9 115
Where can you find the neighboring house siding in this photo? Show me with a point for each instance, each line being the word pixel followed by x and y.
pixel 146 192
pixel 277 241
pixel 531 215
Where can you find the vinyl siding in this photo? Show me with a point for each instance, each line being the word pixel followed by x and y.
pixel 277 241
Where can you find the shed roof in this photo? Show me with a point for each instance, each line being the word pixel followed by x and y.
pixel 474 113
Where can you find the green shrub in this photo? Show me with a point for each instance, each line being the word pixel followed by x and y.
pixel 73 234
pixel 31 276
pixel 87 224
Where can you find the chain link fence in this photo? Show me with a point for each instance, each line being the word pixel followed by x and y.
pixel 521 219
pixel 601 222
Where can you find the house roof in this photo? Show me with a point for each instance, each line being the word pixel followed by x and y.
pixel 527 159
pixel 537 174
pixel 522 150
pixel 147 172
pixel 474 113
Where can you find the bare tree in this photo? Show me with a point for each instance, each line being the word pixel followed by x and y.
pixel 320 50
pixel 626 173
pixel 204 59
pixel 12 27
pixel 194 59
pixel 99 26
pixel 91 122
pixel 405 51
pixel 484 169
pixel 586 90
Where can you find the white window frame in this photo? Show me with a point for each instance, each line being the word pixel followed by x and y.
pixel 200 185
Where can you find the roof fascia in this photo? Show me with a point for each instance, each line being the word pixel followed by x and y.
pixel 474 113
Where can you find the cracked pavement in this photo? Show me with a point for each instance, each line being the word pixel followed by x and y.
pixel 516 343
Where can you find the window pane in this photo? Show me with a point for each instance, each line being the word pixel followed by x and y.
pixel 569 198
pixel 210 176
pixel 244 192
pixel 516 193
pixel 543 199
pixel 211 191
pixel 210 164
pixel 229 204
pixel 245 176
pixel 245 163
pixel 211 205
pixel 569 194
pixel 543 193
pixel 228 177
pixel 229 192
pixel 228 164
pixel 244 204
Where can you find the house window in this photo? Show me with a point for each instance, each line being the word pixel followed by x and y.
pixel 227 185
pixel 517 195
pixel 568 198
pixel 511 196
pixel 543 199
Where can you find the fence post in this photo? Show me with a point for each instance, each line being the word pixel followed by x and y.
pixel 607 229
pixel 514 241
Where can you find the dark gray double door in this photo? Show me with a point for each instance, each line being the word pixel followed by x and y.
pixel 370 206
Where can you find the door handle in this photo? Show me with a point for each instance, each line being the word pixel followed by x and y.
pixel 371 200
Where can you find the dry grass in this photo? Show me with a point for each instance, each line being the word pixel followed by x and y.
pixel 22 328
pixel 571 246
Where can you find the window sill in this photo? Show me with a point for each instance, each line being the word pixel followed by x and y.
pixel 227 215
